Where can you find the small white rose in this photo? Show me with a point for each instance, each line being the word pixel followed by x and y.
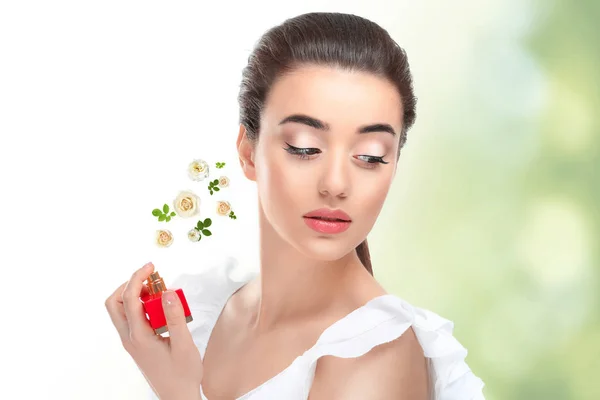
pixel 223 181
pixel 164 238
pixel 187 204
pixel 194 235
pixel 223 207
pixel 198 170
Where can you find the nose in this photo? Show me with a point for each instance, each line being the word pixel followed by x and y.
pixel 335 177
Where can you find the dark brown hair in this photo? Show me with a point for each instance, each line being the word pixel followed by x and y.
pixel 331 39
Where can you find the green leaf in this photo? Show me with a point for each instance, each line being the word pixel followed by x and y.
pixel 211 192
pixel 206 232
pixel 200 225
pixel 215 182
pixel 216 189
pixel 162 217
pixel 207 222
pixel 166 208
pixel 156 212
pixel 168 218
pixel 173 213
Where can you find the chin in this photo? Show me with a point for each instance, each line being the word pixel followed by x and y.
pixel 324 248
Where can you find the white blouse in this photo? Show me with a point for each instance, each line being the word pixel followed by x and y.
pixel 379 321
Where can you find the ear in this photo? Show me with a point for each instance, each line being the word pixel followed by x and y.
pixel 246 154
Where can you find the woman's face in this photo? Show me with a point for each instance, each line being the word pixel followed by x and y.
pixel 323 133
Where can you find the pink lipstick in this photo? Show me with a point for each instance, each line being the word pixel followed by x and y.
pixel 325 220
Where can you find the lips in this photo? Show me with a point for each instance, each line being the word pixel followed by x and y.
pixel 325 220
pixel 327 214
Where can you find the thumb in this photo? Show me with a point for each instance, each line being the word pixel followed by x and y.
pixel 180 336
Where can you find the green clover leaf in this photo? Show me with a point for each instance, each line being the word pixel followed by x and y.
pixel 164 215
pixel 201 227
pixel 213 186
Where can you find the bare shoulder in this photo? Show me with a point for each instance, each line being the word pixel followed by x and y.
pixel 397 369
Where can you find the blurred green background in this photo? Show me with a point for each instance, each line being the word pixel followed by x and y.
pixel 494 218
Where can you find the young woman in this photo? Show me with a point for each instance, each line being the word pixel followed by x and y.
pixel 326 101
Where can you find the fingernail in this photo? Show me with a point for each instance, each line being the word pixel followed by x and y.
pixel 147 265
pixel 170 297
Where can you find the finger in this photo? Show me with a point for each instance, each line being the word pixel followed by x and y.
pixel 180 335
pixel 114 306
pixel 134 310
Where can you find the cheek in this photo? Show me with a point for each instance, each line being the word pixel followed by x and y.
pixel 373 194
pixel 284 187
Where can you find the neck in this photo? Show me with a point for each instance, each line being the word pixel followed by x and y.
pixel 293 287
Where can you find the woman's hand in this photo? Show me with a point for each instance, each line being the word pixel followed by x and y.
pixel 171 365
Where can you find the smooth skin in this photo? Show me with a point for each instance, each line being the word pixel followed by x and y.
pixel 308 280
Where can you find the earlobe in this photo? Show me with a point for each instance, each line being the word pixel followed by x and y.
pixel 246 154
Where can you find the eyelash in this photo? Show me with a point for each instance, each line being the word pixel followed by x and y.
pixel 303 154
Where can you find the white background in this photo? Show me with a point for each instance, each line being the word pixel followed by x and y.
pixel 102 106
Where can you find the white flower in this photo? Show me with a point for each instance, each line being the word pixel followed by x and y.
pixel 223 181
pixel 194 235
pixel 164 238
pixel 223 207
pixel 187 204
pixel 198 170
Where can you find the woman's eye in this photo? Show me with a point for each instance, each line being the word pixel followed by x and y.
pixel 301 152
pixel 373 159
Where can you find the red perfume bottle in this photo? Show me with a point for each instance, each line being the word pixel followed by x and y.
pixel 153 303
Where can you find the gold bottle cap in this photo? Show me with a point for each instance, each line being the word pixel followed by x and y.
pixel 155 283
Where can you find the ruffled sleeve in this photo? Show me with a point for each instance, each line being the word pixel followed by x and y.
pixel 386 318
pixel 452 379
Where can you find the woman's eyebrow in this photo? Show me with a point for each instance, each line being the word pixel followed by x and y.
pixel 377 128
pixel 323 126
pixel 306 120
